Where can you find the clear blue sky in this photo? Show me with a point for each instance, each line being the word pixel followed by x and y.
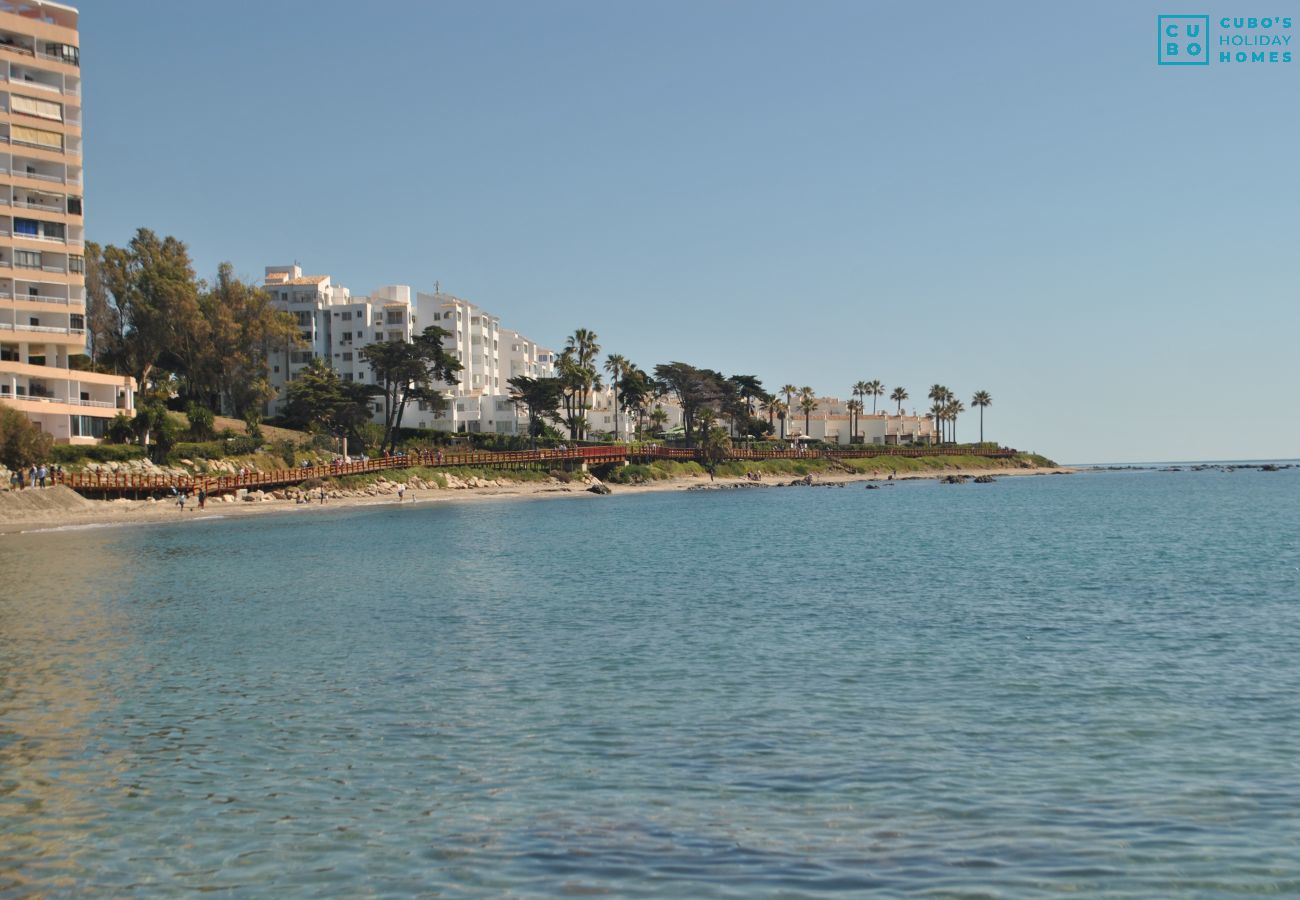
pixel 1002 196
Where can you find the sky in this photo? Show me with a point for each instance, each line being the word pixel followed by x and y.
pixel 1011 197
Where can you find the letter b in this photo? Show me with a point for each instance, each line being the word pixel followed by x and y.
pixel 1171 49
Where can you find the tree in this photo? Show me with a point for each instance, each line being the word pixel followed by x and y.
pixel 616 365
pixel 860 389
pixel 807 403
pixel 898 396
pixel 154 294
pixel 938 396
pixel 540 397
pixel 715 445
pixel 242 327
pixel 636 390
pixel 875 389
pixel 749 388
pixel 576 366
pixel 22 444
pixel 658 418
pixel 102 320
pixel 407 372
pixel 936 412
pixel 695 389
pixel 952 409
pixel 319 399
pixel 855 410
pixel 981 400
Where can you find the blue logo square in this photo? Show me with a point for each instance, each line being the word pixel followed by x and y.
pixel 1183 40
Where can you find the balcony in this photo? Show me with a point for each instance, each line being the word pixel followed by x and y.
pixel 42 329
pixel 72 401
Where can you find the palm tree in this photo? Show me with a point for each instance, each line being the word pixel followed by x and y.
pixel 952 409
pixel 898 396
pixel 772 405
pixel 860 390
pixel 938 396
pixel 875 389
pixel 807 403
pixel 617 366
pixel 658 418
pixel 855 409
pixel 981 399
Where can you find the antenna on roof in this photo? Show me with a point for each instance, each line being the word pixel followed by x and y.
pixel 437 287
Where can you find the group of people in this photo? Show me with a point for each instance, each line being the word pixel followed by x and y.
pixel 183 496
pixel 36 476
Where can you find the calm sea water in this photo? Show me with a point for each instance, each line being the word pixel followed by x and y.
pixel 1050 685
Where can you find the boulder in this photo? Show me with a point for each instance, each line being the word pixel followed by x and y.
pixel 599 488
pixel 984 479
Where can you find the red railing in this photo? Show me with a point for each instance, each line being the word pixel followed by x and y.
pixel 121 482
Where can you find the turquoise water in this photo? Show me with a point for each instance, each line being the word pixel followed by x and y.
pixel 1048 685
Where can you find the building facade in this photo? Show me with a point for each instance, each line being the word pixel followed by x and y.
pixel 42 231
pixel 335 326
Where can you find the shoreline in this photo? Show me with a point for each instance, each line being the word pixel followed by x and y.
pixel 112 513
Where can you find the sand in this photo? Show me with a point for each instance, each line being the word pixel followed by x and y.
pixel 58 508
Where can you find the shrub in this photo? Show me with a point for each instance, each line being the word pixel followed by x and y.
pixel 67 454
pixel 201 421
pixel 22 444
pixel 120 430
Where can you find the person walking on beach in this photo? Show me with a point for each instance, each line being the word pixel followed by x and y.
pixel 43 473
pixel 322 496
pixel 203 498
pixel 180 499
pixel 401 493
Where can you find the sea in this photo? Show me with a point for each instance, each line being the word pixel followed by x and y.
pixel 1083 685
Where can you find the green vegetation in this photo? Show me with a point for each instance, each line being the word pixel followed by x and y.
pixel 22 444
pixel 78 454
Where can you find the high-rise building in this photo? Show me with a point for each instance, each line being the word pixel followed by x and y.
pixel 42 236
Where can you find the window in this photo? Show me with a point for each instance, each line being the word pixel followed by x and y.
pixel 26 259
pixel 77 322
pixel 26 226
pixel 76 264
pixel 36 137
pixel 437 317
pixel 88 426
pixel 346 338
pixel 275 369
pixel 30 106
pixel 347 315
pixel 74 206
pixel 396 317
pixel 379 335
pixel 304 319
pixel 347 357
pixel 64 53
pixel 347 376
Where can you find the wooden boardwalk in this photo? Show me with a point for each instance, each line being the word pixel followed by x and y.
pixel 121 483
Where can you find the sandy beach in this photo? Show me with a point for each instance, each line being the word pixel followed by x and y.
pixel 34 510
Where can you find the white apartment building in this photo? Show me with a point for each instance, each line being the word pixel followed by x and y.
pixel 42 239
pixel 335 326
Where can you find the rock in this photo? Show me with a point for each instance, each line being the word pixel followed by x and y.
pixel 953 479
pixel 873 487
pixel 984 479
pixel 599 488
pixel 241 493
pixel 1269 468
